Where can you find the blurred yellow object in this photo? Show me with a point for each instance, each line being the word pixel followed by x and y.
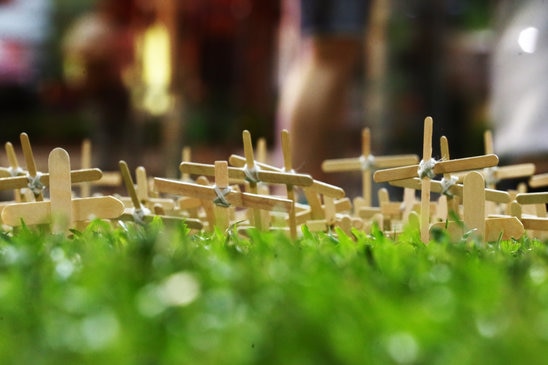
pixel 155 52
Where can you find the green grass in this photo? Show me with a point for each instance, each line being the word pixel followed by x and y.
pixel 153 295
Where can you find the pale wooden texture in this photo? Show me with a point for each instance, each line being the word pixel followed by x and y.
pixel 538 181
pixel 441 167
pixel 15 169
pixel 503 228
pixel 536 224
pixel 141 187
pixel 33 213
pixel 85 188
pixel 255 216
pixel 514 171
pixel 130 186
pixel 366 163
pixel 425 183
pixel 60 190
pixel 238 174
pixel 222 214
pixel 29 160
pixel 532 198
pixel 497 196
pixel 474 203
pixel 208 192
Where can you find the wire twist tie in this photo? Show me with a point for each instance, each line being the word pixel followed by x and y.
pixel 139 215
pixel 426 169
pixel 490 176
pixel 35 185
pixel 251 175
pixel 368 162
pixel 15 171
pixel 220 200
pixel 446 184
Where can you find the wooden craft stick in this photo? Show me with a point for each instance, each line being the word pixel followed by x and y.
pixel 130 186
pixel 77 176
pixel 16 170
pixel 85 188
pixel 474 203
pixel 222 217
pixel 252 178
pixel 425 183
pixel 60 190
pixel 535 224
pixel 366 163
pixel 514 171
pixel 539 180
pixel 288 168
pixel 208 193
pixel 356 164
pixel 31 164
pixel 503 228
pixel 532 198
pixel 493 195
pixel 261 150
pixel 451 204
pixel 238 174
pixel 440 167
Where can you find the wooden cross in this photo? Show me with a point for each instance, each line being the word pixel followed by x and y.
pixel 366 163
pixel 221 194
pixel 138 212
pixel 427 169
pixel 61 211
pixel 311 191
pixel 474 217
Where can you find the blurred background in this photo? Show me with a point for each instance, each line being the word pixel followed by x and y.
pixel 143 78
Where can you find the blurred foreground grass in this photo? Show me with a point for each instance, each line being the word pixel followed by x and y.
pixel 152 295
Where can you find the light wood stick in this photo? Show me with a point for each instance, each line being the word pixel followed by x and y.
pixel 60 190
pixel 474 203
pixel 532 198
pixel 85 188
pixel 31 164
pixel 425 183
pixel 288 167
pixel 493 195
pixel 539 180
pixel 237 173
pixel 208 193
pixel 255 218
pixel 77 176
pixel 130 186
pixel 15 168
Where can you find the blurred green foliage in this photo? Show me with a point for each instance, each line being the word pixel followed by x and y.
pixel 152 295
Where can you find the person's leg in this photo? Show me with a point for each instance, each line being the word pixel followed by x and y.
pixel 320 98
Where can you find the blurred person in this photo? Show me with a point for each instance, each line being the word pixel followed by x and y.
pixel 25 26
pixel 315 88
pixel 98 53
pixel 519 98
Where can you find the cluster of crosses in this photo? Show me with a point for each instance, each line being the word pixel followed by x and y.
pixel 238 193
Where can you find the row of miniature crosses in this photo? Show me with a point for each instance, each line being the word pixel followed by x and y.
pixel 237 194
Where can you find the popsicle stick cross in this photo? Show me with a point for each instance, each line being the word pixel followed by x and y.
pixel 427 169
pixel 366 163
pixel 221 193
pixel 61 211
